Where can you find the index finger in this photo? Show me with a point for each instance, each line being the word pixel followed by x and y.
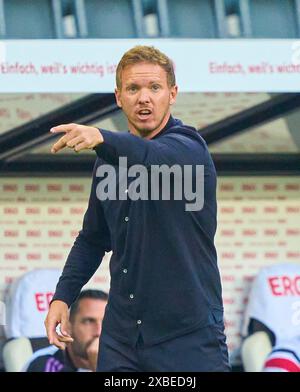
pixel 63 128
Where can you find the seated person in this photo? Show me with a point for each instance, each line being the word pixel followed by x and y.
pixel 86 315
pixel 274 308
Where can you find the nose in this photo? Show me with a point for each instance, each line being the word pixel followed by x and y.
pixel 98 328
pixel 144 96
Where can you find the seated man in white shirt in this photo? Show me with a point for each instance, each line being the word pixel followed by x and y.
pixel 273 311
pixel 86 315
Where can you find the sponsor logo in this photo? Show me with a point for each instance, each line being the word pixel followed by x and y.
pixel 284 285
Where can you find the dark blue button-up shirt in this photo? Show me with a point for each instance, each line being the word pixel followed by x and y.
pixel 164 276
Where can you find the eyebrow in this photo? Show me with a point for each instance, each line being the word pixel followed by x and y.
pixel 130 84
pixel 88 319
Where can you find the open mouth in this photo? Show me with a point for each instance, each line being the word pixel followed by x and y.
pixel 144 114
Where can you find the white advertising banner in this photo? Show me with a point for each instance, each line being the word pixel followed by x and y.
pixel 63 66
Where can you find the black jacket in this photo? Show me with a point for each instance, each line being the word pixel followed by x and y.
pixel 164 276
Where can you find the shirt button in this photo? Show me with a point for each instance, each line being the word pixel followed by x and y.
pixel 139 322
pixel 131 296
pixel 125 271
pixel 126 219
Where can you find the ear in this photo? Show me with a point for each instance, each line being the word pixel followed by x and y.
pixel 118 97
pixel 173 94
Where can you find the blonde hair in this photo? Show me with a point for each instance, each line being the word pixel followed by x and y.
pixel 145 54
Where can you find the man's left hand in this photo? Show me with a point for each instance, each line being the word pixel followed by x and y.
pixel 78 137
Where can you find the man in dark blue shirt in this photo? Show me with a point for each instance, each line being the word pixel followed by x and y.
pixel 165 309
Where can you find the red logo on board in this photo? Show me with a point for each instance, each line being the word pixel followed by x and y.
pixel 43 300
pixel 285 285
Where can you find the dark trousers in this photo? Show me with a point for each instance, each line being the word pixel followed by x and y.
pixel 203 350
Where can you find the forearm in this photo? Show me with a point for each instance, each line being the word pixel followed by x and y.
pixel 82 262
pixel 170 149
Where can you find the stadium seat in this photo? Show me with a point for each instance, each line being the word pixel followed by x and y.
pixel 272 315
pixel 16 353
pixel 270 19
pixel 27 303
pixel 192 18
pixel 233 18
pixel 109 19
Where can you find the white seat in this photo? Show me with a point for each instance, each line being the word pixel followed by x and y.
pixel 273 302
pixel 27 303
pixel 16 353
